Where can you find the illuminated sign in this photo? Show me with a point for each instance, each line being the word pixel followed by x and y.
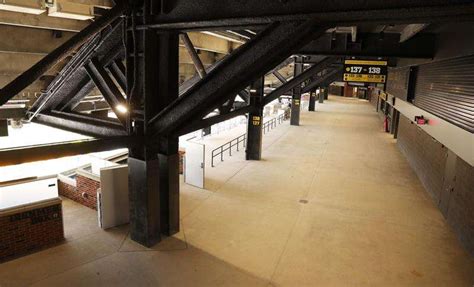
pixel 365 71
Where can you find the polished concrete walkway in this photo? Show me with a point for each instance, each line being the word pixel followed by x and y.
pixel 334 203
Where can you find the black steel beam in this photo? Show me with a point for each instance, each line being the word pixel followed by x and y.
pixel 326 79
pixel 117 69
pixel 184 87
pixel 297 80
pixel 19 155
pixel 244 95
pixel 193 54
pixel 107 87
pixel 207 122
pixel 188 84
pixel 73 83
pixel 252 60
pixel 279 77
pixel 80 89
pixel 81 124
pixel 38 69
pixel 201 70
pixel 372 44
pixel 227 106
pixel 206 14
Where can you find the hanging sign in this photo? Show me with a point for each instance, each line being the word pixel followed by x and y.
pixel 365 71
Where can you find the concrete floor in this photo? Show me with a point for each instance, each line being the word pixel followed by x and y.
pixel 333 203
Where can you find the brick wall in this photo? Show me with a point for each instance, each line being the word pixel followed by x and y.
pixel 85 191
pixel 30 230
pixel 447 178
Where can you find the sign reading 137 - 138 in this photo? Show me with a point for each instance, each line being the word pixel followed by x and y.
pixel 365 71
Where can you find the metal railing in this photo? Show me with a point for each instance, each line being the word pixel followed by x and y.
pixel 228 147
pixel 267 126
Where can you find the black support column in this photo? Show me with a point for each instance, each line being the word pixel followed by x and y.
pixel 152 84
pixel 3 128
pixel 143 184
pixel 296 98
pixel 253 149
pixel 168 159
pixel 312 101
pixel 322 91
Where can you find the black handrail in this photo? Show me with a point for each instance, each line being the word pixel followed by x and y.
pixel 267 126
pixel 228 146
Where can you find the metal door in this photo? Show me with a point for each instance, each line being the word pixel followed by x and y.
pixel 194 164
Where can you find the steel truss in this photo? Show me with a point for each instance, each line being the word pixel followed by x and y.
pixel 145 34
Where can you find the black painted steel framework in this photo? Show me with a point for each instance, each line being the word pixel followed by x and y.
pixel 158 111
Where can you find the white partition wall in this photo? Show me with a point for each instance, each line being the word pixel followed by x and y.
pixel 113 202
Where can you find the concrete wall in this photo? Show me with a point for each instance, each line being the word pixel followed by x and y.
pixel 447 178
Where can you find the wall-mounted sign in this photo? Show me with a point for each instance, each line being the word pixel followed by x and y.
pixel 365 71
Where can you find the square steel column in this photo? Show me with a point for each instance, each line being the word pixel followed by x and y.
pixel 312 101
pixel 322 91
pixel 144 194
pixel 168 160
pixel 296 98
pixel 326 92
pixel 3 128
pixel 152 83
pixel 253 149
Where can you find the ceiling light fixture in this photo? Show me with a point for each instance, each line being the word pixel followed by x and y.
pixel 121 109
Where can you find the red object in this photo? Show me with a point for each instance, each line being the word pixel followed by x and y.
pixel 421 121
